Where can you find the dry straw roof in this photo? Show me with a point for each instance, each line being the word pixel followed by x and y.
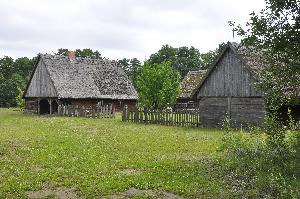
pixel 81 78
pixel 190 82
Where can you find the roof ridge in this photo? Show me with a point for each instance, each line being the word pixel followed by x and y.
pixel 78 58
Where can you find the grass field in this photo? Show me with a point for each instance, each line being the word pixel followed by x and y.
pixel 60 157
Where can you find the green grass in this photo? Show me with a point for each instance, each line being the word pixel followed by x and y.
pixel 88 154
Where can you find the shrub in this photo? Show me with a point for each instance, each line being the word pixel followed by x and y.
pixel 264 164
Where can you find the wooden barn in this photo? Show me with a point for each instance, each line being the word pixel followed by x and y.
pixel 228 88
pixel 78 81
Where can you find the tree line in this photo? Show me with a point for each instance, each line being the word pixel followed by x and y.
pixel 167 67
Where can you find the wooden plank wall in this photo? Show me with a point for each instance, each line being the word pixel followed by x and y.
pixel 229 78
pixel 248 110
pixel 41 84
pixel 242 111
pixel 212 110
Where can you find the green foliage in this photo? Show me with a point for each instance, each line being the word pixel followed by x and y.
pixel 158 85
pixel 62 51
pixel 275 34
pixel 131 67
pixel 182 59
pixel 210 57
pixel 24 66
pixel 88 53
pixel 84 53
pixel 8 92
pixel 6 66
pixel 226 124
pixel 273 127
pixel 13 76
pixel 19 99
pixel 292 123
pixel 267 161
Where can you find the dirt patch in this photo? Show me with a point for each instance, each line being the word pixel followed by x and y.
pixel 36 168
pixel 148 193
pixel 59 193
pixel 129 171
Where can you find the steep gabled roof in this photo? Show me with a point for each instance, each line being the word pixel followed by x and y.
pixel 81 78
pixel 189 83
pixel 252 60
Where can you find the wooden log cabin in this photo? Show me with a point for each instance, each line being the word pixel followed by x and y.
pixel 228 88
pixel 78 81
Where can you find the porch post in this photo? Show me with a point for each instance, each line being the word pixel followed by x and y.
pixel 38 106
pixel 50 103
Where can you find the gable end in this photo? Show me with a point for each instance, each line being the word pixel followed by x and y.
pixel 40 84
pixel 229 76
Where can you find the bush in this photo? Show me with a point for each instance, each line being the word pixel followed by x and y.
pixel 264 164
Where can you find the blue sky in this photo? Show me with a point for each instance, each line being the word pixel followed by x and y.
pixel 118 28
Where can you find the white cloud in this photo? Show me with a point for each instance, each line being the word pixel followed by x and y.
pixel 117 28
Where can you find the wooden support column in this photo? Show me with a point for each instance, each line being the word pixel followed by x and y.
pixel 59 107
pixel 38 106
pixel 50 103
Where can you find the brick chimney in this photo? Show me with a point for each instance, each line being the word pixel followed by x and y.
pixel 71 54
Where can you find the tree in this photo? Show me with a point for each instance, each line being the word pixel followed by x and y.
pixel 275 34
pixel 88 53
pixel 131 67
pixel 182 59
pixel 62 51
pixel 13 77
pixel 24 66
pixel 84 53
pixel 209 57
pixel 158 85
pixel 8 87
pixel 124 63
pixel 8 92
pixel 6 66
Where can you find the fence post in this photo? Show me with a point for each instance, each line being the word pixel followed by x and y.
pixel 58 110
pixel 146 115
pixel 136 116
pixel 124 113
pixel 113 111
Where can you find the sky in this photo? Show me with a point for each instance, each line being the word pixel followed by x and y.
pixel 118 28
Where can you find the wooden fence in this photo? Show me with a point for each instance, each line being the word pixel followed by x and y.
pixel 190 106
pixel 164 117
pixel 103 111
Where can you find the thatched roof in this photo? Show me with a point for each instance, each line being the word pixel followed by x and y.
pixel 251 57
pixel 255 61
pixel 88 78
pixel 190 82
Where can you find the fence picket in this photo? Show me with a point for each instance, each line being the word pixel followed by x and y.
pixel 92 111
pixel 171 118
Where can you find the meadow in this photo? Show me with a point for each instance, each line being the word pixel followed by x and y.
pixel 42 156
pixel 69 157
